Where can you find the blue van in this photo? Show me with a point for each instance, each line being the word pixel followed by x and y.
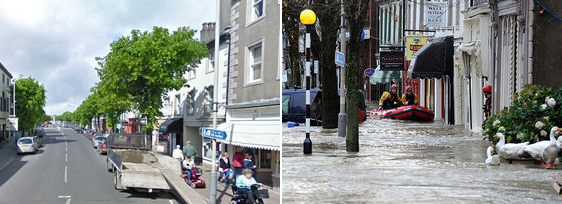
pixel 294 105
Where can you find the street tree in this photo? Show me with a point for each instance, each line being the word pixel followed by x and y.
pixel 142 67
pixel 355 12
pixel 328 16
pixel 30 97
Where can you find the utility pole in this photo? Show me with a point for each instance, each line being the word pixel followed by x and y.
pixel 343 39
pixel 213 190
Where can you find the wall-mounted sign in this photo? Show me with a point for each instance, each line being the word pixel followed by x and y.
pixel 413 44
pixel 369 72
pixel 392 58
pixel 435 15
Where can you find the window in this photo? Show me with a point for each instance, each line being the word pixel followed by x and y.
pixel 285 104
pixel 211 64
pixel 255 63
pixel 177 103
pixel 257 10
pixel 265 159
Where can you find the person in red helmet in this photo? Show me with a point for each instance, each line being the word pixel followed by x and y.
pixel 409 98
pixel 390 99
pixel 488 104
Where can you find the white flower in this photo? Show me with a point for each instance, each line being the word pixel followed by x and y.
pixel 551 102
pixel 547 118
pixel 546 99
pixel 519 135
pixel 501 129
pixel 543 106
pixel 543 133
pixel 539 125
pixel 496 122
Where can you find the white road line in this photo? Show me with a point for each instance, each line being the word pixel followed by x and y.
pixel 68 201
pixel 171 202
pixel 66 157
pixel 64 196
pixel 67 148
pixel 65 174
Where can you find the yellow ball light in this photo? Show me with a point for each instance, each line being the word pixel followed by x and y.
pixel 308 17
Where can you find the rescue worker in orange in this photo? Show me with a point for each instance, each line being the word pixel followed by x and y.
pixel 409 98
pixel 390 99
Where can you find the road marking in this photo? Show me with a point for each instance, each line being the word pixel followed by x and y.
pixel 65 174
pixel 64 196
pixel 171 202
pixel 66 157
pixel 67 148
pixel 68 201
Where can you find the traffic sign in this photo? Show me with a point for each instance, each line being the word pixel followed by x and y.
pixel 213 133
pixel 369 72
pixel 340 59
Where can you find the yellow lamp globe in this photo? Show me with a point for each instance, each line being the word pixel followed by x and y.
pixel 308 17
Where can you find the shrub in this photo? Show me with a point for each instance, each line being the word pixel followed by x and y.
pixel 530 117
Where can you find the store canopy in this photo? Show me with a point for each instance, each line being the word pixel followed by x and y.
pixel 434 60
pixel 253 134
pixel 172 125
pixel 384 77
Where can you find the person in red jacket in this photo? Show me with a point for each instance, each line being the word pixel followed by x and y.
pixel 488 104
pixel 237 162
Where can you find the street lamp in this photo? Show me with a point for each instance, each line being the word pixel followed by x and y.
pixel 307 17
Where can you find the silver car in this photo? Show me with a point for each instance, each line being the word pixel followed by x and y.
pixel 27 145
pixel 97 140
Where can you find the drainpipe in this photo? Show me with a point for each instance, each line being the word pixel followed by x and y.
pixel 531 23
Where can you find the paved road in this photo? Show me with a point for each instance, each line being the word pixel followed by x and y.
pixel 65 170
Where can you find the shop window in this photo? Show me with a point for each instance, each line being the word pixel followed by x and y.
pixel 265 159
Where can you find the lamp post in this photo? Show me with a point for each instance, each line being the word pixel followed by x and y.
pixel 343 40
pixel 307 17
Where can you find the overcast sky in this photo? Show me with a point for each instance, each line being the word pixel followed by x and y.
pixel 56 41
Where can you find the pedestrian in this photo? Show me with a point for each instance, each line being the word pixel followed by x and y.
pixel 390 99
pixel 189 150
pixel 488 104
pixel 237 162
pixel 177 154
pixel 224 167
pixel 244 183
pixel 249 163
pixel 187 164
pixel 409 98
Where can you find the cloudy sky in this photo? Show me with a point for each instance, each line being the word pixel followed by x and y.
pixel 56 41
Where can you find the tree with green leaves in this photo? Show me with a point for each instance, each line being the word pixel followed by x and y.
pixel 30 101
pixel 142 67
pixel 355 12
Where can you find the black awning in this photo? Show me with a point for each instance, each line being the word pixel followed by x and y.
pixel 433 60
pixel 172 125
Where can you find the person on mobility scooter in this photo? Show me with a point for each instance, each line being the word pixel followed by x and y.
pixel 244 189
pixel 192 174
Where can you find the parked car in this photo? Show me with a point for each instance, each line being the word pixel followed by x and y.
pixel 97 140
pixel 102 147
pixel 294 104
pixel 27 145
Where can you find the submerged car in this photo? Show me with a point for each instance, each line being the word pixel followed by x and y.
pixel 27 145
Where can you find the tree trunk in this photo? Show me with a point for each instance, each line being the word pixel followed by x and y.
pixel 355 11
pixel 329 22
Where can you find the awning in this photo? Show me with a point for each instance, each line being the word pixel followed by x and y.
pixel 434 60
pixel 172 125
pixel 384 77
pixel 253 134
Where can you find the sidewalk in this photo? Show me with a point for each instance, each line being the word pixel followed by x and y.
pixel 224 193
pixel 7 154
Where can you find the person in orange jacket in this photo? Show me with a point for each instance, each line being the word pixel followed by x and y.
pixel 409 98
pixel 390 99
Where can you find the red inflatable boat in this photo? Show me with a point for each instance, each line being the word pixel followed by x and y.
pixel 411 112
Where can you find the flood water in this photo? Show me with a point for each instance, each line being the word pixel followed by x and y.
pixel 406 161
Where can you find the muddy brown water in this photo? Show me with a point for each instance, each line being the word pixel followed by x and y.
pixel 407 162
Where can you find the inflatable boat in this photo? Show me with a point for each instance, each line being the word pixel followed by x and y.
pixel 411 112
